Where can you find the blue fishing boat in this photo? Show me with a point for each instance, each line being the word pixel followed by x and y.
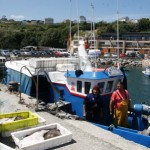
pixel 70 80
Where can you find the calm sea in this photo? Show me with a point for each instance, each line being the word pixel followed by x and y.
pixel 138 85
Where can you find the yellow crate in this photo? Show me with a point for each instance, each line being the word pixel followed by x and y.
pixel 31 119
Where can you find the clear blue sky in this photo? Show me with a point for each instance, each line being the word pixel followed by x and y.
pixel 60 9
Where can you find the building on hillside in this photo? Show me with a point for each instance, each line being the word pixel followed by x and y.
pixel 108 42
pixel 124 19
pixel 127 42
pixel 49 21
pixel 82 19
pixel 133 21
pixel 31 22
pixel 66 21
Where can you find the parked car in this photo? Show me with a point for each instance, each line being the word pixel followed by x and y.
pixel 122 55
pixel 75 54
pixel 25 52
pixel 5 53
pixel 114 55
pixel 50 53
pixel 111 55
pixel 57 54
pixel 64 54
pixel 34 53
pixel 140 56
pixel 107 55
pixel 16 52
pixel 131 55
pixel 94 53
pixel 42 53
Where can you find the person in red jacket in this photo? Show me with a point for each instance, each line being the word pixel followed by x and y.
pixel 119 105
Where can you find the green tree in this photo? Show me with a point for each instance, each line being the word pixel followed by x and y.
pixel 144 24
pixel 28 39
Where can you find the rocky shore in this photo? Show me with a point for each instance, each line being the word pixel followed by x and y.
pixel 126 62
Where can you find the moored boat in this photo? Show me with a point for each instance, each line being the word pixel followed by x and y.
pixel 70 80
pixel 146 72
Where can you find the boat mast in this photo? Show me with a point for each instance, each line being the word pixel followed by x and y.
pixel 92 6
pixel 70 28
pixel 117 31
pixel 78 20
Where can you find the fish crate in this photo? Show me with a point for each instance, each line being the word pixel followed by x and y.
pixel 28 119
pixel 64 137
pixel 5 147
pixel 41 121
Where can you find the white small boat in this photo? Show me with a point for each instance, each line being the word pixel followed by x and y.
pixel 146 72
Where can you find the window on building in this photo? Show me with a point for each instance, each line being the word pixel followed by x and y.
pixel 87 86
pixel 79 86
pixel 146 45
pixel 101 44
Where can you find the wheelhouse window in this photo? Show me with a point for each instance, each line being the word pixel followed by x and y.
pixel 79 86
pixel 87 86
pixel 109 86
pixel 101 86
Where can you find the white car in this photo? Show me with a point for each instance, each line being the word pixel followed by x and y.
pixel 110 55
pixel 25 52
pixel 107 55
pixel 5 53
pixel 114 55
pixel 94 53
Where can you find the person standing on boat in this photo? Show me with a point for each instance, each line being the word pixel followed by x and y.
pixel 119 105
pixel 92 107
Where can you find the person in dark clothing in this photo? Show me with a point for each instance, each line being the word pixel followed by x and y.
pixel 92 107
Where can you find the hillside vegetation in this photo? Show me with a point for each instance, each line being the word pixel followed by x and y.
pixel 15 35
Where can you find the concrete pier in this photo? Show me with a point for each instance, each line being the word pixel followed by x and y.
pixel 85 134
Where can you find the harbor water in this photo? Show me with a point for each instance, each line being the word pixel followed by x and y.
pixel 138 85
